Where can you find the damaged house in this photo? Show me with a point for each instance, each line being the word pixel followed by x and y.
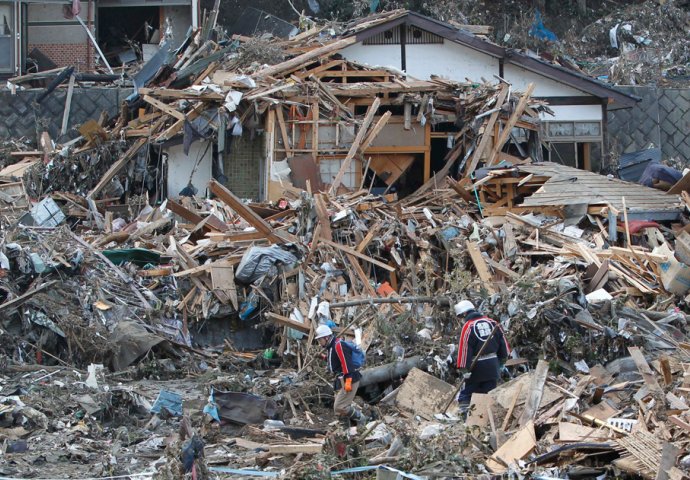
pixel 46 34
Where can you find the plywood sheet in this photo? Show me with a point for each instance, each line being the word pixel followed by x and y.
pixel 517 447
pixel 478 414
pixel 16 171
pixel 390 168
pixel 503 394
pixel 571 432
pixel 423 394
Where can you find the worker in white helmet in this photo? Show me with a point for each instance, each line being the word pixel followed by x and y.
pixel 482 350
pixel 344 359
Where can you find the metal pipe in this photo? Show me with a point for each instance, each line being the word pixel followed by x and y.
pixel 95 44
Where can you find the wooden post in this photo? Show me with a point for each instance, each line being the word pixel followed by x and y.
pixel 68 105
pixel 587 156
pixel 427 152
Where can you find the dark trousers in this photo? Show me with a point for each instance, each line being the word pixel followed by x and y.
pixel 475 387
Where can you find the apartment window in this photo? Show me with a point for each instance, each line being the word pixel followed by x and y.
pixel 6 37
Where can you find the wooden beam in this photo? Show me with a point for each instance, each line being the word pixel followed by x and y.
pixel 368 118
pixel 300 60
pixel 535 393
pixel 322 215
pixel 213 222
pixel 229 198
pixel 375 131
pixel 488 128
pixel 480 265
pixel 283 130
pixel 508 127
pixel 68 105
pixel 23 298
pixel 117 166
pixel 164 107
pixel 306 448
pixel 355 253
pixel 288 322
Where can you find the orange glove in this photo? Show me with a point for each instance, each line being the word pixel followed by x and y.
pixel 348 384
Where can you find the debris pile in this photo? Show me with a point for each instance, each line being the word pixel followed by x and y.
pixel 174 330
pixel 639 44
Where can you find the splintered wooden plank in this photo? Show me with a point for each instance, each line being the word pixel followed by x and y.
pixel 361 256
pixel 308 449
pixel 571 432
pixel 223 281
pixel 535 392
pixel 298 61
pixel 508 127
pixel 645 370
pixel 117 166
pixel 229 198
pixel 480 265
pixel 516 448
pixel 354 148
pixel 213 223
pixel 510 248
pixel 164 108
pixel 283 130
pixel 322 215
pixel 486 136
pixel 371 136
pixel 288 322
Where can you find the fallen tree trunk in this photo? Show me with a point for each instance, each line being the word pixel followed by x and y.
pixel 389 371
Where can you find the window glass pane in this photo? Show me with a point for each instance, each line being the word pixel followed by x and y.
pixel 560 129
pixel 587 129
pixel 6 40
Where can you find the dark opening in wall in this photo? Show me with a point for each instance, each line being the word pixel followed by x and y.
pixel 122 30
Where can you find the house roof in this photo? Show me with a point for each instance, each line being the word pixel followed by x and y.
pixel 572 186
pixel 367 28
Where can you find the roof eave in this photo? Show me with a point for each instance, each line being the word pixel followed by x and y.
pixel 588 85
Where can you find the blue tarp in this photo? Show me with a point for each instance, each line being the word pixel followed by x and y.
pixel 539 31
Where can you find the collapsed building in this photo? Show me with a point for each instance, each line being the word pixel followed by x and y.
pixel 173 321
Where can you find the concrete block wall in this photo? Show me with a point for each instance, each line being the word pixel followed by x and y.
pixel 20 116
pixel 243 165
pixel 661 117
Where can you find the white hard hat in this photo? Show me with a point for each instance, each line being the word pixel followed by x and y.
pixel 463 307
pixel 323 331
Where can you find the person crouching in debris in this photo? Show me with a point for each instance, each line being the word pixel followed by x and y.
pixel 344 359
pixel 482 351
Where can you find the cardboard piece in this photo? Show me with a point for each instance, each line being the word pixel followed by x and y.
pixel 675 275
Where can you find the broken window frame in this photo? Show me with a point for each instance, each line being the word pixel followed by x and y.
pixel 11 37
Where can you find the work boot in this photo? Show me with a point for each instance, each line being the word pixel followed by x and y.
pixel 358 417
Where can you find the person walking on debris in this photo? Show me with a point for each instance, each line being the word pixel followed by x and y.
pixel 344 359
pixel 482 351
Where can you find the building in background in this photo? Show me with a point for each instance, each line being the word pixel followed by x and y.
pixel 39 35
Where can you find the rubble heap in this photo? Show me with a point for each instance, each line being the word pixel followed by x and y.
pixel 164 334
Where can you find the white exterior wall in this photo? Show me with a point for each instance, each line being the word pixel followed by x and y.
pixel 577 113
pixel 374 55
pixel 450 60
pixel 544 87
pixel 180 167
